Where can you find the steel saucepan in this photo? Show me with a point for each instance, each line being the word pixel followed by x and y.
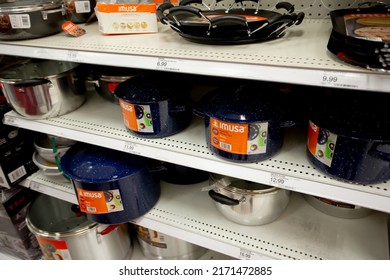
pixel 41 89
pixel 64 233
pixel 247 203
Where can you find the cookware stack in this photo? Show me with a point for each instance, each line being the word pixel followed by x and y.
pixel 235 24
pixel 48 151
pixel 361 36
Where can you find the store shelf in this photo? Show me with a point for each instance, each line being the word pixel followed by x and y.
pixel 100 123
pixel 186 212
pixel 300 57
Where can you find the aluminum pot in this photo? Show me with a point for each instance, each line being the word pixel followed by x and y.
pixel 42 89
pixel 244 123
pixel 247 203
pixel 158 246
pixel 349 139
pixel 64 233
pixel 152 107
pixel 27 19
pixel 112 187
pixel 79 11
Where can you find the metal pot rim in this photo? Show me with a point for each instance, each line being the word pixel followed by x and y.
pixel 49 77
pixel 30 7
pixel 59 235
pixel 239 191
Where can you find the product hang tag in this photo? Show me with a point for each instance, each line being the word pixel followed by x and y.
pixel 73 29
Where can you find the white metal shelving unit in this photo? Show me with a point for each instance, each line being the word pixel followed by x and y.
pixel 186 212
pixel 301 57
pixel 100 123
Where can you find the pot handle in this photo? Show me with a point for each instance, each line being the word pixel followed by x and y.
pixel 285 5
pixel 31 82
pixel 377 153
pixel 108 229
pixel 223 199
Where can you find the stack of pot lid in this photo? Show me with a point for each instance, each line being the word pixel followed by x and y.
pixel 361 36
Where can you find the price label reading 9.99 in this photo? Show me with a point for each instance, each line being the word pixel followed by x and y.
pixel 342 80
pixel 329 79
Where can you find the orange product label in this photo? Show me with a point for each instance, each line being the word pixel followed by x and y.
pixel 312 136
pixel 72 29
pixel 126 8
pixel 129 115
pixel 99 202
pixel 54 249
pixel 230 137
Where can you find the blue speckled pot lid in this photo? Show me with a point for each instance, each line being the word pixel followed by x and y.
pixel 149 89
pixel 93 164
pixel 243 104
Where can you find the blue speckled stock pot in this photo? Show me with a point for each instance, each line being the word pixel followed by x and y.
pixel 244 123
pixel 349 135
pixel 112 187
pixel 152 107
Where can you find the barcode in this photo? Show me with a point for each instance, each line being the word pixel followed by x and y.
pixel 82 6
pixel 26 20
pixel 225 146
pixel 91 209
pixel 17 174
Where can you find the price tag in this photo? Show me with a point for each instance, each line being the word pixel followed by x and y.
pixel 342 80
pixel 73 56
pixel 168 64
pixel 36 187
pixel 130 148
pixel 281 181
pixel 250 255
pixel 10 120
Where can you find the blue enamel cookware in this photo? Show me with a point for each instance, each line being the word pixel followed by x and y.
pixel 244 123
pixel 152 107
pixel 349 135
pixel 112 187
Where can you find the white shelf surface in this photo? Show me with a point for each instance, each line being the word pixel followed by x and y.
pixel 188 213
pixel 300 57
pixel 99 122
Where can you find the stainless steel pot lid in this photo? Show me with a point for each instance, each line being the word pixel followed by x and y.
pixel 26 6
pixel 240 186
pixel 36 69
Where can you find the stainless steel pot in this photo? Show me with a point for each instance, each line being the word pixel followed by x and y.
pixel 156 245
pixel 44 88
pixel 337 208
pixel 64 233
pixel 247 203
pixel 28 19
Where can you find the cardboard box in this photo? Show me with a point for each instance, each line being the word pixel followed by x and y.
pixel 15 238
pixel 126 18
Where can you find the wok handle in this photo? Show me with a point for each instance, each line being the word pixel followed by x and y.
pixel 31 82
pixel 185 10
pixel 223 199
pixel 285 5
pixel 188 2
pixel 160 12
pixel 228 19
